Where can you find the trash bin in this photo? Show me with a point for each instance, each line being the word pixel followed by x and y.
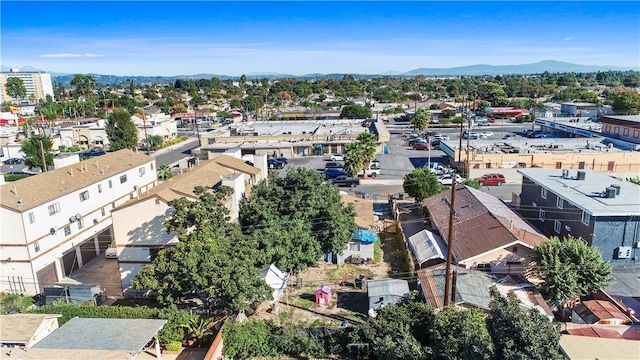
pixel 359 282
pixel 401 195
pixel 363 194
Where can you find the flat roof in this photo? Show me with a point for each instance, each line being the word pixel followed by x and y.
pixel 587 194
pixel 588 347
pixel 302 127
pixel 103 334
pixel 523 145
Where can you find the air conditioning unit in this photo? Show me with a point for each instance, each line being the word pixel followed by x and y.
pixel 624 252
pixel 52 231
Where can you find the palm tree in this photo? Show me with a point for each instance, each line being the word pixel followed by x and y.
pixel 369 144
pixel 421 120
pixel 198 328
pixel 164 172
pixel 353 158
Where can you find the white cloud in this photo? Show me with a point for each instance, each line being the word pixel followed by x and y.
pixel 68 55
pixel 568 38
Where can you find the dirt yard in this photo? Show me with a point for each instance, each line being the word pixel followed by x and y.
pixel 347 301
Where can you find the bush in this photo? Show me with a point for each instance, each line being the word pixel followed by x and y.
pixel 173 346
pixel 15 301
pixel 14 177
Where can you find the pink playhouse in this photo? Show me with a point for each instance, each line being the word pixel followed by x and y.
pixel 323 295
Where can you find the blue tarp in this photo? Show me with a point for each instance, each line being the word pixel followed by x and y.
pixel 366 236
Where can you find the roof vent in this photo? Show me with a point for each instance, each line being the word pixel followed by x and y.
pixel 581 175
pixel 610 192
pixel 617 187
pixel 565 173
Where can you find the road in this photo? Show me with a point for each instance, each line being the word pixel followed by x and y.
pixel 175 153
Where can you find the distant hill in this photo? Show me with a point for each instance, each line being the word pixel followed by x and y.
pixel 551 66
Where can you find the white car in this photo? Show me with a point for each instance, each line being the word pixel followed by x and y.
pixel 488 133
pixel 337 157
pixel 447 179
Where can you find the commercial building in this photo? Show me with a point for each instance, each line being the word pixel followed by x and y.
pixel 38 85
pixel 600 209
pixel 55 222
pixel 622 131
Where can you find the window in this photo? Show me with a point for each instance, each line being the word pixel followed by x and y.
pixel 84 195
pixel 102 211
pixel 541 215
pixel 36 246
pixel 557 225
pixel 80 223
pixel 141 171
pixel 99 188
pixel 54 209
pixel 110 184
pixel 607 128
pixel 543 193
pixel 586 218
pixel 151 166
pixel 559 202
pixel 67 230
pixel 354 246
pixel 514 249
pixel 123 179
pixel 32 218
pixel 625 132
pixel 616 130
pixel 636 133
pixel 211 141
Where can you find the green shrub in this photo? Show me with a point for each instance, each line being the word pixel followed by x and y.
pixel 14 177
pixel 173 346
pixel 8 301
pixel 249 339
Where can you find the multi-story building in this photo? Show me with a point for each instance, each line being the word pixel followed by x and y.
pixel 622 131
pixel 55 222
pixel 38 85
pixel 88 134
pixel 596 207
pixel 155 125
pixel 138 225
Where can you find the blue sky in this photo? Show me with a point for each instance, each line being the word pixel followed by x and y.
pixel 241 37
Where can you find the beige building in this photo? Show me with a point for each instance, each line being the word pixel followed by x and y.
pixel 291 138
pixel 85 136
pixel 155 125
pixel 138 225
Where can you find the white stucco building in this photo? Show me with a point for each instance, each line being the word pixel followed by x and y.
pixel 156 124
pixel 38 85
pixel 138 225
pixel 55 222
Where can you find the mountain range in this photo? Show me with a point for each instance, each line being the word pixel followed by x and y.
pixel 550 66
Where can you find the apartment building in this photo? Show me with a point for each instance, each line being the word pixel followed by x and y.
pixel 37 84
pixel 55 222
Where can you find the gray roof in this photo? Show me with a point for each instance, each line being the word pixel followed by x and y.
pixel 426 245
pixel 625 281
pixel 103 334
pixel 472 286
pixel 384 287
pixel 586 194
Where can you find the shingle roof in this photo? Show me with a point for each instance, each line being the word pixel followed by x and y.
pixel 472 286
pixel 103 334
pixel 208 173
pixel 477 229
pixel 40 189
pixel 18 328
pixel 236 164
pixel 383 287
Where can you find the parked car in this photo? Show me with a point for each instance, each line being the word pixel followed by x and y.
pixel 333 172
pixel 472 136
pixel 420 146
pixel 110 252
pixel 447 179
pixel 92 153
pixel 440 137
pixel 283 159
pixel 491 179
pixel 487 133
pixel 334 165
pixel 372 171
pixel 541 135
pixel 482 122
pixel 337 157
pixel 431 133
pixel 509 136
pixel 435 167
pixel 407 134
pixel 344 180
pixel 275 164
pixel 417 140
pixel 375 163
pixel 12 161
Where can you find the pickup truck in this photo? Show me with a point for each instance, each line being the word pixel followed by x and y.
pixel 343 180
pixel 372 171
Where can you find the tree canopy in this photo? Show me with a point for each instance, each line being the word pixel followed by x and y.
pixel 33 153
pixel 521 334
pixel 121 130
pixel 626 101
pixel 359 154
pixel 297 219
pixel 569 268
pixel 421 120
pixel 15 88
pixel 421 183
pixel 354 111
pixel 213 259
pixel 83 84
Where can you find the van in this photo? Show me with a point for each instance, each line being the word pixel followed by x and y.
pixel 482 122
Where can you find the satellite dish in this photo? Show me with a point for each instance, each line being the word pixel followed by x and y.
pixel 72 218
pixel 78 216
pixel 52 231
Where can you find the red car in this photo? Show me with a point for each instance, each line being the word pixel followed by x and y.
pixel 420 146
pixel 491 179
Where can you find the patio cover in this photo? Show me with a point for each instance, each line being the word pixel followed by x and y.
pixel 426 246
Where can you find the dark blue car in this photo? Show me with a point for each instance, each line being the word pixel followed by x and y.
pixel 333 172
pixel 92 153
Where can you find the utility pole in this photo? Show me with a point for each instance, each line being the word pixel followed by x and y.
pixel 144 123
pixel 452 214
pixel 535 103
